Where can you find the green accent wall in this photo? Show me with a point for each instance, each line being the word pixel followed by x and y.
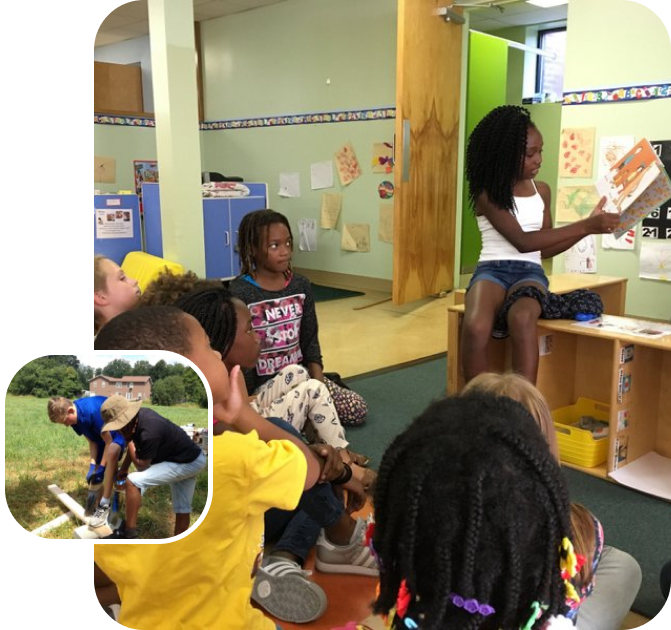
pixel 486 89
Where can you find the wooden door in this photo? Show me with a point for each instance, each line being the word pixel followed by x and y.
pixel 428 77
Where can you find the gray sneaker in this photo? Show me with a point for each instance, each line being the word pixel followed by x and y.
pixel 99 517
pixel 355 557
pixel 281 588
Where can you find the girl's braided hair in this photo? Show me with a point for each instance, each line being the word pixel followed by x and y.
pixel 470 501
pixel 215 310
pixel 253 229
pixel 495 155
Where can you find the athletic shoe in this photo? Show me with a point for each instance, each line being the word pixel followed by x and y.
pixel 355 557
pixel 99 517
pixel 282 589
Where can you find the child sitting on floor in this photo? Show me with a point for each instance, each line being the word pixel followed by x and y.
pixel 206 579
pixel 113 291
pixel 472 522
pixel 610 578
pixel 283 309
pixel 106 448
pixel 292 395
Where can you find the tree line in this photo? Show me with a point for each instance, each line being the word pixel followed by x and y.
pixel 64 375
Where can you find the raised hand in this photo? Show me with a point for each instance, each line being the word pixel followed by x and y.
pixel 600 222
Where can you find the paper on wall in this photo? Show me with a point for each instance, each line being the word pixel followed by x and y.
pixel 383 157
pixel 331 206
pixel 355 237
pixel 575 202
pixel 114 223
pixel 104 170
pixel 321 175
pixel 626 241
pixel 576 152
pixel 655 260
pixel 307 235
pixel 347 164
pixel 581 258
pixel 290 185
pixel 385 231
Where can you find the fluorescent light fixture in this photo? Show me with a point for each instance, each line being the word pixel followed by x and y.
pixel 546 4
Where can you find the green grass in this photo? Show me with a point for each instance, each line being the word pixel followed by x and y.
pixel 39 453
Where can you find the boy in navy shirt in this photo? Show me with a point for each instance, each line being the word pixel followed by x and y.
pixel 83 416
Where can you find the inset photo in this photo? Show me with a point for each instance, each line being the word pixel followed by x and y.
pixel 107 446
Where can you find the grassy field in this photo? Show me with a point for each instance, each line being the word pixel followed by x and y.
pixel 39 453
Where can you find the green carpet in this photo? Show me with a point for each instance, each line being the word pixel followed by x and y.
pixel 324 294
pixel 632 521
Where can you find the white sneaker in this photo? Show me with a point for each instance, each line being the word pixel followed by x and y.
pixel 355 557
pixel 99 517
pixel 281 588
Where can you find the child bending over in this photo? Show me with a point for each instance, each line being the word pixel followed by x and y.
pixel 113 291
pixel 609 580
pixel 283 309
pixel 106 448
pixel 513 212
pixel 206 579
pixel 472 522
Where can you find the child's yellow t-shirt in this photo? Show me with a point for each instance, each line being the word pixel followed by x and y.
pixel 205 579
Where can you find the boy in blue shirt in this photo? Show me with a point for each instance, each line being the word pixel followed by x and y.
pixel 83 416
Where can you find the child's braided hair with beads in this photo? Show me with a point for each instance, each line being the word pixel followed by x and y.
pixel 470 506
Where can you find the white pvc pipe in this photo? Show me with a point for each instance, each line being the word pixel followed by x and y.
pixel 57 522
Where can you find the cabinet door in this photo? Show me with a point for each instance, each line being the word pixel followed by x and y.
pixel 428 77
pixel 239 208
pixel 217 228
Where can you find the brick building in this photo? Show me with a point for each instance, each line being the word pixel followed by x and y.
pixel 127 386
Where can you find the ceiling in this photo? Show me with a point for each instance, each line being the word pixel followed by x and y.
pixel 130 20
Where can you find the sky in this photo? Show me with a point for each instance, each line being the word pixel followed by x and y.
pixel 101 359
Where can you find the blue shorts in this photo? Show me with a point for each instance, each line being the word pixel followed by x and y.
pixel 508 273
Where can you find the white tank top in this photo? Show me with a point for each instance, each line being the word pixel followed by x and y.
pixel 530 217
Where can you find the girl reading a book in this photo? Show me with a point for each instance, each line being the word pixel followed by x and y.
pixel 513 212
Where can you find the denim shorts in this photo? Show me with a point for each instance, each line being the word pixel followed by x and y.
pixel 180 477
pixel 508 273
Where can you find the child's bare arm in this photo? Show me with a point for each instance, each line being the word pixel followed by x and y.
pixel 93 451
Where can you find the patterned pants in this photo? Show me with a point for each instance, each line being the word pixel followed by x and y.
pixel 303 402
pixel 351 407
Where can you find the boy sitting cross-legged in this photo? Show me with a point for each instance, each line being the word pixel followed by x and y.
pixel 205 579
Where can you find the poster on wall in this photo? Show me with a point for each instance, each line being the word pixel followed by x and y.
pixel 658 223
pixel 581 258
pixel 575 203
pixel 347 164
pixel 576 152
pixel 626 242
pixel 655 260
pixel 114 223
pixel 144 171
pixel 383 157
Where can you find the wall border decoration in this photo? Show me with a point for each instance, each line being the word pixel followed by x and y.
pixel 354 115
pixel 618 94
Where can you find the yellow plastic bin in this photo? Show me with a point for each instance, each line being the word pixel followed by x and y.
pixel 579 446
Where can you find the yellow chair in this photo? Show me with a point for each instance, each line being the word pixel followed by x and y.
pixel 144 267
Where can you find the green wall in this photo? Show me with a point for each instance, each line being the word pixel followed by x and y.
pixel 487 85
pixel 304 56
pixel 592 61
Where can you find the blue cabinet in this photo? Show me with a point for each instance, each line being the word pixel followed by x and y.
pixel 221 220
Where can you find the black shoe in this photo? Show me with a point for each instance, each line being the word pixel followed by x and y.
pixel 122 532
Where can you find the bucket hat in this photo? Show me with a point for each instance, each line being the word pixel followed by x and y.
pixel 117 412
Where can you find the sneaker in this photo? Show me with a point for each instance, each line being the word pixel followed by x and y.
pixel 355 557
pixel 122 532
pixel 112 613
pixel 282 589
pixel 99 517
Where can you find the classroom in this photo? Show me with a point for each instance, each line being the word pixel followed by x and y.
pixel 352 119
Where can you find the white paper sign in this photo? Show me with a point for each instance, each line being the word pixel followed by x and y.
pixel 321 175
pixel 114 223
pixel 307 235
pixel 290 185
